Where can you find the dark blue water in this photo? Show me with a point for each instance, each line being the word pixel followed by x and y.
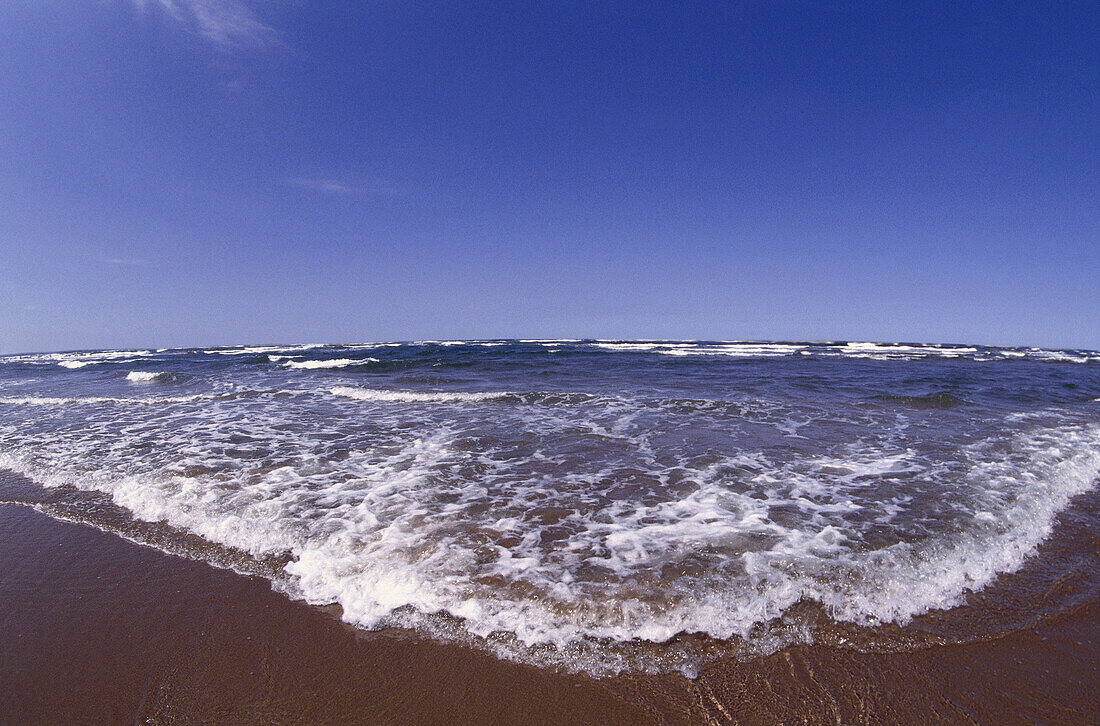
pixel 598 505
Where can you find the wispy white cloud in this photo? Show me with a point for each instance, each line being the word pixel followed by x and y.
pixel 335 186
pixel 126 261
pixel 226 23
pixel 321 185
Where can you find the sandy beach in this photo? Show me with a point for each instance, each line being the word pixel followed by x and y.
pixel 97 629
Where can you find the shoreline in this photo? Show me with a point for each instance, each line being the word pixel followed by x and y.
pixel 98 629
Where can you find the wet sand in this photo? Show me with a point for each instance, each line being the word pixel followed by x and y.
pixel 95 629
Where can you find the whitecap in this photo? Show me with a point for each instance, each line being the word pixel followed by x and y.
pixel 257 349
pixel 370 394
pixel 330 363
pixel 147 376
pixel 88 400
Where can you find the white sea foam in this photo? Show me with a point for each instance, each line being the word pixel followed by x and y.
pixel 91 400
pixel 408 529
pixel 743 350
pixel 330 363
pixel 257 349
pixel 53 400
pixel 1061 356
pixel 370 394
pixel 553 341
pixel 872 351
pixel 77 359
pixel 631 347
pixel 453 343
pixel 903 348
pixel 893 584
pixel 147 376
pixel 736 350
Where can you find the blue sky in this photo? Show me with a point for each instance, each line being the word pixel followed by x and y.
pixel 192 172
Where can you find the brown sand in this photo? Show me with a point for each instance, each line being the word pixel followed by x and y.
pixel 97 630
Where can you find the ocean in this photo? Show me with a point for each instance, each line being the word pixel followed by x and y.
pixel 600 507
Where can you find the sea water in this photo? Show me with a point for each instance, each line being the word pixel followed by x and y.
pixel 602 506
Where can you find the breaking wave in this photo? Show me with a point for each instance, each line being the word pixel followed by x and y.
pixel 148 376
pixel 331 363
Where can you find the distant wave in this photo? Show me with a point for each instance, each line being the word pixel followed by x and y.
pixel 550 341
pixel 370 394
pixel 85 400
pixel 256 349
pixel 736 351
pixel 676 348
pixel 76 360
pixel 543 398
pixel 331 363
pixel 1062 356
pixel 870 351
